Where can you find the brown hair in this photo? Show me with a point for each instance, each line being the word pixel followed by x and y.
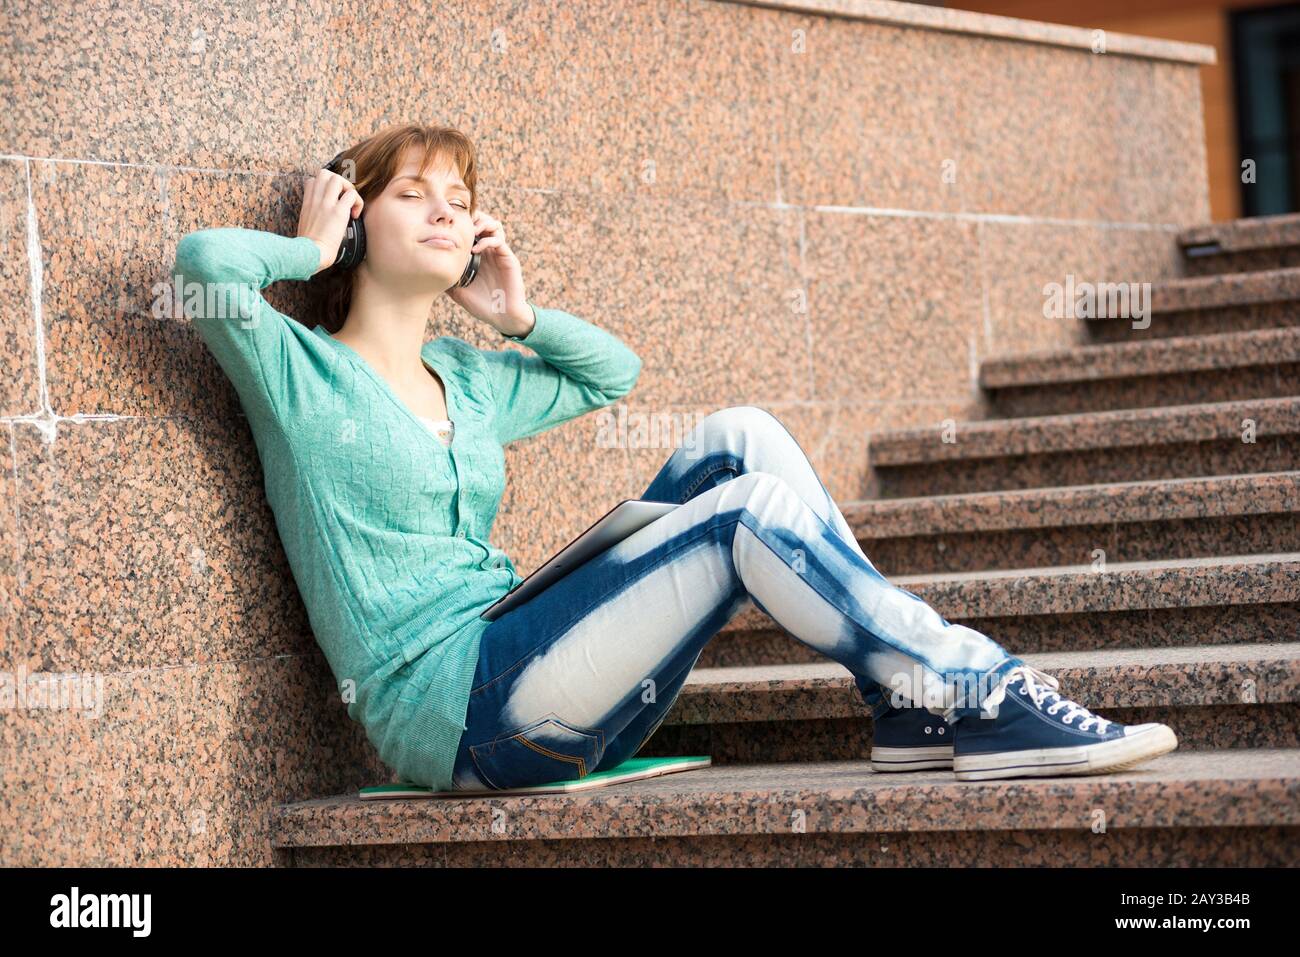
pixel 375 161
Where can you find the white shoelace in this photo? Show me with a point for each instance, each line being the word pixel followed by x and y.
pixel 1038 685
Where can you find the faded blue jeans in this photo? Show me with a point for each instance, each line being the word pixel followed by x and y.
pixel 579 677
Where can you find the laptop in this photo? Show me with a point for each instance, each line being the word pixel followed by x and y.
pixel 628 516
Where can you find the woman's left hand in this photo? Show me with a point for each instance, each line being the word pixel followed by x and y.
pixel 496 296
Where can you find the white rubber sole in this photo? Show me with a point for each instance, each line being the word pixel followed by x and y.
pixel 1101 758
pixel 911 759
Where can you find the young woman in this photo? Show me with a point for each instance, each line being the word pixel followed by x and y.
pixel 383 464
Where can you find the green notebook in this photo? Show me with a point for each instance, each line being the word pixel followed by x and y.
pixel 633 769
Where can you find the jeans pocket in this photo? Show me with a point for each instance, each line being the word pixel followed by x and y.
pixel 543 752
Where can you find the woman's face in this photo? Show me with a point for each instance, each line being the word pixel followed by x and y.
pixel 403 221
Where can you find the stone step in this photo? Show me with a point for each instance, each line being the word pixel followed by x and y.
pixel 1241 599
pixel 1129 521
pixel 1182 370
pixel 1088 448
pixel 1242 245
pixel 1223 808
pixel 1229 696
pixel 1207 305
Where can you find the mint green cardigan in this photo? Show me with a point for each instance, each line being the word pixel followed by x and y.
pixel 386 529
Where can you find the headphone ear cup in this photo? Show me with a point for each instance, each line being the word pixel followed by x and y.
pixel 353 248
pixel 359 247
pixel 471 268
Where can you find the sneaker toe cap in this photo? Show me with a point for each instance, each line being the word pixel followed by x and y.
pixel 1150 728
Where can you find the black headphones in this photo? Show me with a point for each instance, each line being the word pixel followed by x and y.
pixel 353 248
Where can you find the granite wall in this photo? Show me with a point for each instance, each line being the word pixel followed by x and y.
pixel 833 212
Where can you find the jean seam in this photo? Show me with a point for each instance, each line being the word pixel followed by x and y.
pixel 481 773
pixel 731 463
pixel 582 765
pixel 551 718
pixel 521 661
pixel 666 711
pixel 596 733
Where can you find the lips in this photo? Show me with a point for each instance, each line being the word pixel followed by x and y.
pixel 441 242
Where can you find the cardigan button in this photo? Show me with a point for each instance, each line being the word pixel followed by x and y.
pixel 461 533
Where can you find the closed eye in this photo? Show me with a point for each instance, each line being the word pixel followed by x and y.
pixel 417 196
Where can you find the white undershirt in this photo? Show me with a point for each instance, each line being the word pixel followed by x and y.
pixel 441 428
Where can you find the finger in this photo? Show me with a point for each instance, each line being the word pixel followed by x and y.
pixel 334 185
pixel 489 226
pixel 346 194
pixel 487 243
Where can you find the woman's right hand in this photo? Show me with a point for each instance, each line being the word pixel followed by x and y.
pixel 328 202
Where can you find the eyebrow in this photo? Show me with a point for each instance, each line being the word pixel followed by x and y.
pixel 422 179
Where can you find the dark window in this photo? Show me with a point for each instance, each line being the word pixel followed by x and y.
pixel 1266 58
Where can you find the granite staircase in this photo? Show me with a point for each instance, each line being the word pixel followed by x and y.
pixel 1126 520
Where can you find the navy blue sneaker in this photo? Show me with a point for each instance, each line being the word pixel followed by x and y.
pixel 1034 732
pixel 910 739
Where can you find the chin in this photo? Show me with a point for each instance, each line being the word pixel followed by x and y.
pixel 433 275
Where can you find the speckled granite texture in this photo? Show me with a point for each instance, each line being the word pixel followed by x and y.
pixel 1257 789
pixel 1230 289
pixel 1261 242
pixel 749 641
pixel 1243 245
pixel 1245 235
pixel 980 24
pixel 828 212
pixel 1127 847
pixel 1226 438
pixel 1182 370
pixel 1051 508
